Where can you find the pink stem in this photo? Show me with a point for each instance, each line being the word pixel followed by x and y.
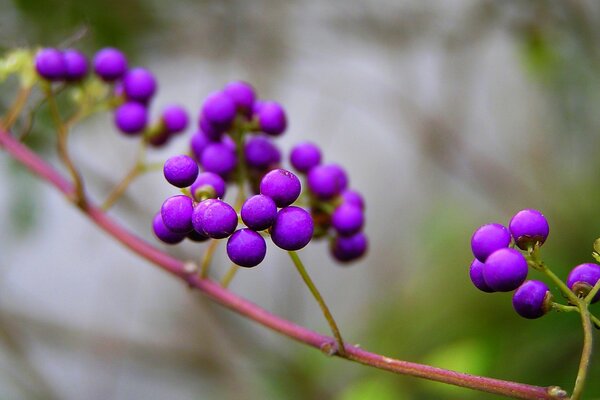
pixel 246 308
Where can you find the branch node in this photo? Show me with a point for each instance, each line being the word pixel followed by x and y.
pixel 557 392
pixel 329 348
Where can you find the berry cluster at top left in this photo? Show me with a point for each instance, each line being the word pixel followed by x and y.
pixel 130 90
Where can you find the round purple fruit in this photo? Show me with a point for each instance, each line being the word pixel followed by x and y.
pixel 532 299
pixel 528 227
pixel 282 186
pixel 476 275
pixel 582 279
pixel 181 171
pixel 246 248
pixel 487 239
pixel 292 229
pixel 505 270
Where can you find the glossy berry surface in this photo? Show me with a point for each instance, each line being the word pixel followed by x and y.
pixel 180 171
pixel 76 65
pixel 304 156
pixel 246 248
pixel 350 248
pixel 174 118
pixel 206 183
pixel 215 219
pixel 110 64
pixel 528 227
pixel 282 186
pixel 292 229
pixel 131 117
pixel 260 152
pixel 242 94
pixel 327 181
pixel 258 212
pixel 139 84
pixel 271 118
pixel 476 275
pixel 505 270
pixel 177 212
pixel 50 64
pixel 163 233
pixel 347 219
pixel 218 158
pixel 532 299
pixel 218 111
pixel 489 238
pixel 582 278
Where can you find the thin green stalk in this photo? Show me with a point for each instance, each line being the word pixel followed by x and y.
pixel 593 292
pixel 207 258
pixel 229 275
pixel 15 110
pixel 586 353
pixel 315 292
pixel 138 168
pixel 562 308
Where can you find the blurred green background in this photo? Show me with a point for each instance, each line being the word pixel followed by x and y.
pixel 448 115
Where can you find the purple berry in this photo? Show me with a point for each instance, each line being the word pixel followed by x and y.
pixel 258 212
pixel 198 143
pixel 131 117
pixel 528 227
pixel 219 111
pixel 532 299
pixel 505 270
pixel 242 94
pixel 215 219
pixel 271 118
pixel 181 171
pixel 213 133
pixel 177 212
pixel 218 158
pixel 208 181
pixel 487 239
pixel 304 156
pixel 347 219
pixel 163 233
pixel 174 118
pixel 110 64
pixel 582 279
pixel 327 181
pixel 476 275
pixel 292 229
pixel 350 196
pixel 50 64
pixel 282 186
pixel 246 248
pixel 260 152
pixel 139 84
pixel 350 248
pixel 76 63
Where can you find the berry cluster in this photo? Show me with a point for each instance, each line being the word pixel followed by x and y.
pixel 234 146
pixel 132 90
pixel 499 267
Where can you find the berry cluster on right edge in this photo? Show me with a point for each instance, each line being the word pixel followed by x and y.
pixel 504 255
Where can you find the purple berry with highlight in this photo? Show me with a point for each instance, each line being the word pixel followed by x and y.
pixel 139 84
pixel 327 181
pixel 246 248
pixel 181 170
pixel 242 94
pixel 476 275
pixel 50 64
pixel 208 183
pixel 218 158
pixel 305 156
pixel 582 279
pixel 215 219
pixel 282 186
pixel 505 270
pixel 292 229
pixel 258 212
pixel 271 118
pixel 110 64
pixel 174 118
pixel 350 248
pixel 76 65
pixel 350 196
pixel 529 227
pixel 347 219
pixel 487 239
pixel 131 118
pixel 218 111
pixel 177 212
pixel 163 233
pixel 532 299
pixel 260 152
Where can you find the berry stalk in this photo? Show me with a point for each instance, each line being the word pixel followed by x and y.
pixel 586 352
pixel 245 308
